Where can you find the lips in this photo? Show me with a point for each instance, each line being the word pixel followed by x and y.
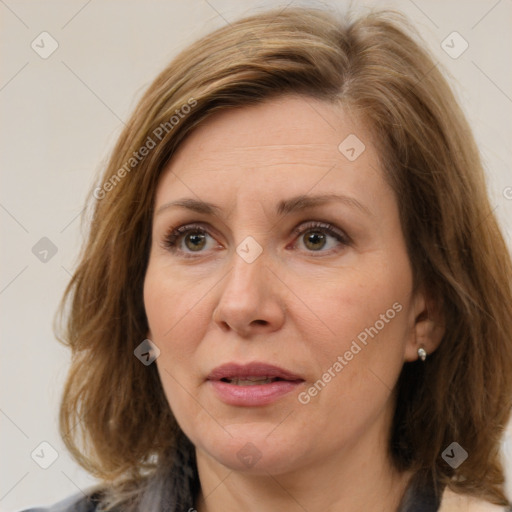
pixel 251 373
pixel 254 384
pixel 251 381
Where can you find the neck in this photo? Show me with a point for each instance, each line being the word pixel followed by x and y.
pixel 353 479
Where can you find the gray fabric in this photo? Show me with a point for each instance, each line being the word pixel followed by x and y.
pixel 75 503
pixel 173 489
pixel 419 497
pixel 416 499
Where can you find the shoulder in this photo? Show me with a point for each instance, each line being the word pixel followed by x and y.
pixel 78 502
pixel 452 502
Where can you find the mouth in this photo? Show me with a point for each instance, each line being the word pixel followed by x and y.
pixel 253 384
pixel 251 381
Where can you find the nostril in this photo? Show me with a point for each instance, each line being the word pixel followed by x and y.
pixel 260 322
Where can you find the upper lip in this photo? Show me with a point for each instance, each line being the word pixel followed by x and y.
pixel 255 369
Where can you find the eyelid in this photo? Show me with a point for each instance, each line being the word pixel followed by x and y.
pixel 321 225
pixel 173 234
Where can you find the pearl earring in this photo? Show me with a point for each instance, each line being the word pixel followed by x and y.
pixel 422 353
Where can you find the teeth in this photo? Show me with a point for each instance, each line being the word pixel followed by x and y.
pixel 252 381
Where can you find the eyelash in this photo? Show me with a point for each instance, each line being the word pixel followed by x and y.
pixel 170 241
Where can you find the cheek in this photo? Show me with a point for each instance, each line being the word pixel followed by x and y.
pixel 359 366
pixel 174 313
pixel 167 299
pixel 366 322
pixel 357 303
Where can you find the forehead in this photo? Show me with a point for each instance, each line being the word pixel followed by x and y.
pixel 288 145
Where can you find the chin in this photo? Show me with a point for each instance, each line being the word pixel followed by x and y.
pixel 251 450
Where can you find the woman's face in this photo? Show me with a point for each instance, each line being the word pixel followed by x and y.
pixel 290 258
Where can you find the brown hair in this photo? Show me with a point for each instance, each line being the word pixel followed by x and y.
pixel 114 417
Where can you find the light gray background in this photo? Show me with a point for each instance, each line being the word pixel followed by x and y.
pixel 61 116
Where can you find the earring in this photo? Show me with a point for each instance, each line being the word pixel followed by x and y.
pixel 422 353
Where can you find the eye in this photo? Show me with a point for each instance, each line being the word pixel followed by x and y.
pixel 187 239
pixel 315 236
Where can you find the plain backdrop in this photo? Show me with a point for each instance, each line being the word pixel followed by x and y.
pixel 61 114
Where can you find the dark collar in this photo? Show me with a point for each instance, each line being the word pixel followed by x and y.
pixel 420 496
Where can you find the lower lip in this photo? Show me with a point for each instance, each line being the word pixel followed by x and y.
pixel 259 394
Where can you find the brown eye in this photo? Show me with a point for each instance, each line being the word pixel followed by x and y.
pixel 195 241
pixel 314 240
pixel 321 237
pixel 187 239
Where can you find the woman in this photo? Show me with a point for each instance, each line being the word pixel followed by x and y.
pixel 294 295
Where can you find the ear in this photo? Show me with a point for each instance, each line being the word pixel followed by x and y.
pixel 428 326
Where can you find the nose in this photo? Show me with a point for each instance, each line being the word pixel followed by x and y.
pixel 250 299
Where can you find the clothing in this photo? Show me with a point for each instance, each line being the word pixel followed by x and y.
pixel 74 503
pixel 420 496
pixel 414 501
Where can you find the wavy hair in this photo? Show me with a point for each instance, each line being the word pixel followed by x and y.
pixel 114 417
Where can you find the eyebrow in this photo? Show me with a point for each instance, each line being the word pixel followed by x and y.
pixel 286 206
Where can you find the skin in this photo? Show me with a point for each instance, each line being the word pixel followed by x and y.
pixel 297 305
